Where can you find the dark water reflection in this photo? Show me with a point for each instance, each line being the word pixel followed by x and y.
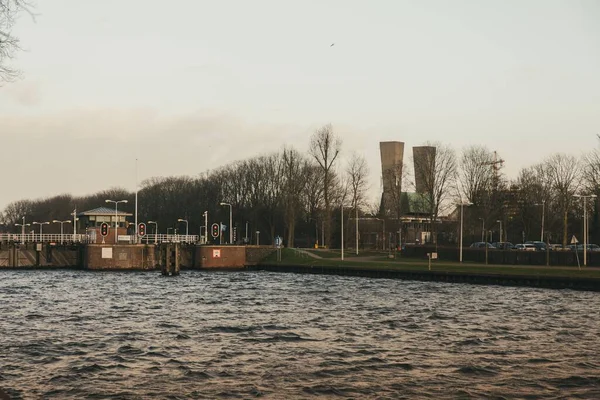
pixel 68 334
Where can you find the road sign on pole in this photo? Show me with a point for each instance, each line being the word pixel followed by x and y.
pixel 574 240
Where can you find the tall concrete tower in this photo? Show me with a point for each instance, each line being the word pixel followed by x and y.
pixel 424 159
pixel 392 157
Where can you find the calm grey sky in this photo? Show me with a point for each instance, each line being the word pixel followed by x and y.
pixel 188 85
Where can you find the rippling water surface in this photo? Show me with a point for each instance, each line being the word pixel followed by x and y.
pixel 72 334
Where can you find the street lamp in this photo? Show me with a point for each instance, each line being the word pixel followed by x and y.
pixel 40 224
pixel 257 236
pixel 230 222
pixel 383 236
pixel 500 222
pixel 55 221
pixel 205 214
pixel 543 214
pixel 482 229
pixel 461 228
pixel 23 225
pixel 186 224
pixel 116 215
pixel 155 230
pixel 585 227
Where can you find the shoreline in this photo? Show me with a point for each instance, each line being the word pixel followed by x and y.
pixel 492 277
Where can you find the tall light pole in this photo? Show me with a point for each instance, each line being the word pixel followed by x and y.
pixel 230 222
pixel 482 229
pixel 23 225
pixel 500 222
pixel 356 217
pixel 186 225
pixel 585 227
pixel 136 201
pixel 246 239
pixel 205 214
pixel 155 230
pixel 543 204
pixel 116 216
pixel 342 242
pixel 461 227
pixel 55 221
pixel 41 224
pixel 257 236
pixel 383 236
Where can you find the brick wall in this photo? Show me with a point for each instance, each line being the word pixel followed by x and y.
pixel 122 257
pixel 220 256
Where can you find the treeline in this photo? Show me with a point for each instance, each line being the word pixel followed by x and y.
pixel 278 194
pixel 298 196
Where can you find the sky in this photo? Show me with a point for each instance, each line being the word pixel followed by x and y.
pixel 186 86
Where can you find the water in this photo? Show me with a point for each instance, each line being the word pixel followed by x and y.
pixel 72 334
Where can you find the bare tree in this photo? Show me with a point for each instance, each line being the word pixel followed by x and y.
pixel 358 172
pixel 437 170
pixel 294 183
pixel 475 177
pixel 563 173
pixel 9 44
pixel 325 148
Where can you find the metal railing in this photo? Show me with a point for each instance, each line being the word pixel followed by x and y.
pixel 83 238
pixel 161 238
pixel 46 238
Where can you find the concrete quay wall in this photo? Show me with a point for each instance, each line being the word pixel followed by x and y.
pixel 39 255
pixel 130 256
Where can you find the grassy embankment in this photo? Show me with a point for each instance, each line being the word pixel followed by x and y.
pixel 380 261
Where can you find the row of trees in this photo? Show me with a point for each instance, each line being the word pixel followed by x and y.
pixel 295 195
pixel 548 190
pixel 277 194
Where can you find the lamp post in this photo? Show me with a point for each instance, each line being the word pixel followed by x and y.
pixel 543 204
pixel 246 238
pixel 342 242
pixel 230 222
pixel 116 216
pixel 585 227
pixel 461 228
pixel 41 224
pixel 500 222
pixel 155 230
pixel 383 235
pixel 205 214
pixel 23 225
pixel 323 234
pixel 68 221
pixel 186 225
pixel 482 229
pixel 257 236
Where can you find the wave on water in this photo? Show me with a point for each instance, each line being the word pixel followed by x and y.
pixel 279 336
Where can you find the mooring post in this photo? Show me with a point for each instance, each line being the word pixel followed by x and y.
pixel 176 271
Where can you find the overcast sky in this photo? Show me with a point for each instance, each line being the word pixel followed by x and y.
pixel 188 85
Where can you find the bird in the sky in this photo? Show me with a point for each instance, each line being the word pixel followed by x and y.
pixel 332 44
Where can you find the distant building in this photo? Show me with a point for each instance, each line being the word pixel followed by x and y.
pixel 90 221
pixel 392 159
pixel 424 161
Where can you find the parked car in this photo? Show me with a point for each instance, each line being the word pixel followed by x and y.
pixel 590 247
pixel 503 245
pixel 525 247
pixel 481 245
pixel 540 246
